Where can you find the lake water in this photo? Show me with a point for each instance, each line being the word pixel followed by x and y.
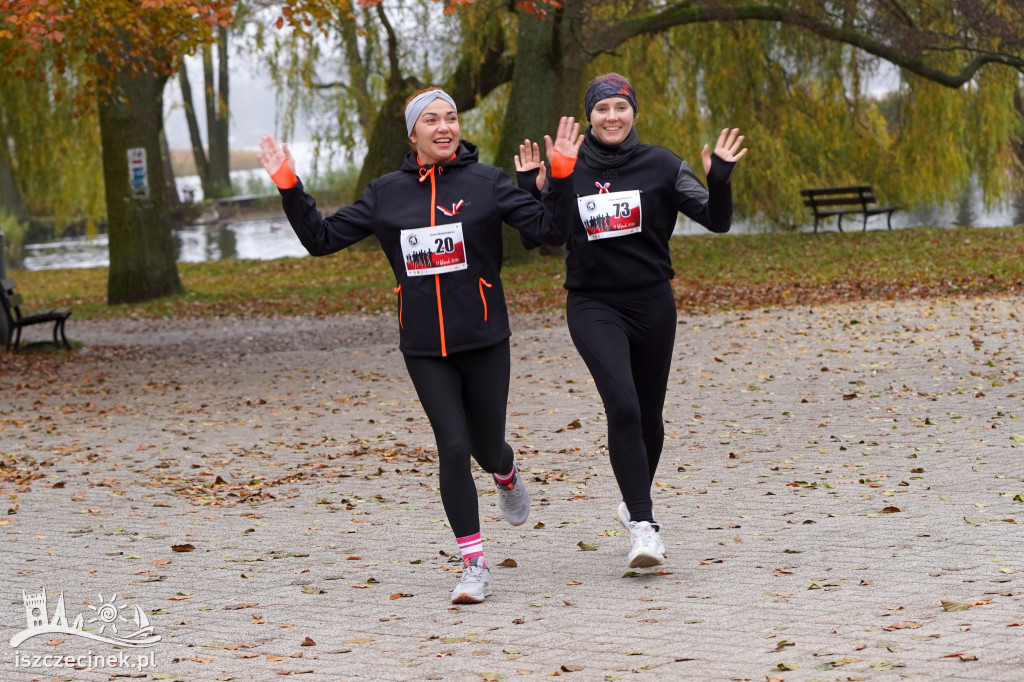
pixel 271 238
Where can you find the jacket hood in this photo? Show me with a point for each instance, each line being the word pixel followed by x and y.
pixel 467 154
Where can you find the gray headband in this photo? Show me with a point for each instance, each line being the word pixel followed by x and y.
pixel 418 103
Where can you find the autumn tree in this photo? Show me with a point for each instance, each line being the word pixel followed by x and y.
pixel 798 67
pixel 213 163
pixel 132 50
pixel 49 165
pixel 355 63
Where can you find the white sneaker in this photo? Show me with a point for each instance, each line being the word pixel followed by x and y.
pixel 514 500
pixel 624 515
pixel 648 549
pixel 474 585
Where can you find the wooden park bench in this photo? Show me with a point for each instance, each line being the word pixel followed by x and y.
pixel 840 201
pixel 16 321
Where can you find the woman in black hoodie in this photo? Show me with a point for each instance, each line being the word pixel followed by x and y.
pixel 439 220
pixel 618 265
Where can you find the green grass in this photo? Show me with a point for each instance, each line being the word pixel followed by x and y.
pixel 713 272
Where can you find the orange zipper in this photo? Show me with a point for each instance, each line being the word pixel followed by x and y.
pixel 398 290
pixel 437 278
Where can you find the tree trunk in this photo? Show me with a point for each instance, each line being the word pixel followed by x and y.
pixel 547 83
pixel 217 122
pixel 198 152
pixel 388 142
pixel 10 195
pixel 170 187
pixel 143 263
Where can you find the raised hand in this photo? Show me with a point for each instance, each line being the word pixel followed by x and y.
pixel 727 148
pixel 567 140
pixel 529 158
pixel 273 154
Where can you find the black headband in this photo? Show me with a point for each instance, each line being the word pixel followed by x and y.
pixel 609 85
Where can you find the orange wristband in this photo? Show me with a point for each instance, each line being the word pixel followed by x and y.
pixel 284 178
pixel 562 165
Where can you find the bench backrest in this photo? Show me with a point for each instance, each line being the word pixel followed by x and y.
pixel 861 195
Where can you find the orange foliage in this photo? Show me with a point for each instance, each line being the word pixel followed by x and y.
pixel 149 35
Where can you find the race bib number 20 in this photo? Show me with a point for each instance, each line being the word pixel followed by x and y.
pixel 610 214
pixel 434 250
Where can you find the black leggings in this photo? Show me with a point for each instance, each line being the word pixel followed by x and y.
pixel 626 341
pixel 465 396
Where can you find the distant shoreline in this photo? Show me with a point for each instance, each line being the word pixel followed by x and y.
pixel 183 162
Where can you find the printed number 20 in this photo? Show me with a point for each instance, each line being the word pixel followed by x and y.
pixel 446 245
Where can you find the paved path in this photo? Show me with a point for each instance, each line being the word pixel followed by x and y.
pixel 841 493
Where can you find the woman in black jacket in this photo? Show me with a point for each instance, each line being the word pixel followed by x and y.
pixel 618 276
pixel 438 219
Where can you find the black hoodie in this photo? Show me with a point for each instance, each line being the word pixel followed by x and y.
pixel 455 311
pixel 667 186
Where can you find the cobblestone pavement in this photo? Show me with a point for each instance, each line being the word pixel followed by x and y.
pixel 841 494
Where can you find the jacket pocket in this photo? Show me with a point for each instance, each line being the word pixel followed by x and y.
pixel 483 295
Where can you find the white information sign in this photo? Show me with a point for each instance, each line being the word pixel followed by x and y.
pixel 138 174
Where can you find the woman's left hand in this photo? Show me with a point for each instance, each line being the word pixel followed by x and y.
pixel 727 148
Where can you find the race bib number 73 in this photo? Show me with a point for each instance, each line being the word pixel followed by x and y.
pixel 434 250
pixel 610 214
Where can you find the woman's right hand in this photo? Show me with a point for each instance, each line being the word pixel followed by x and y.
pixel 273 153
pixel 277 159
pixel 529 158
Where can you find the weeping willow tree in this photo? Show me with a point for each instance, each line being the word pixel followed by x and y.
pixel 347 68
pixel 816 113
pixel 52 146
pixel 793 74
pixel 797 78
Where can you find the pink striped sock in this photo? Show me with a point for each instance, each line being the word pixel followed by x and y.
pixel 471 546
pixel 505 479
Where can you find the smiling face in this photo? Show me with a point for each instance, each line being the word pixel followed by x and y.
pixel 435 137
pixel 612 119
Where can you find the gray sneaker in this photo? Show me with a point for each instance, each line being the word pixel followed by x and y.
pixel 514 500
pixel 648 549
pixel 474 585
pixel 624 515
